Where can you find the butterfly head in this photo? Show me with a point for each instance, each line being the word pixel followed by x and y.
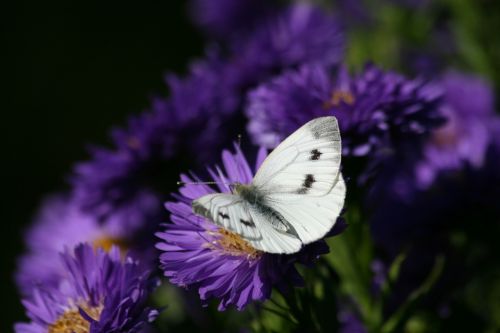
pixel 237 188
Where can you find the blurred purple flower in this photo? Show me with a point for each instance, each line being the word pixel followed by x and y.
pixel 60 224
pixel 218 263
pixel 377 111
pixel 99 293
pixel 299 34
pixel 406 212
pixel 113 185
pixel 465 137
pixel 227 18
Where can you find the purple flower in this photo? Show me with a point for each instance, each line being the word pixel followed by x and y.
pixel 61 224
pixel 99 293
pixel 197 253
pixel 465 137
pixel 377 111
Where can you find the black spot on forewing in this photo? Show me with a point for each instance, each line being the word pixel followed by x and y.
pixel 224 216
pixel 247 223
pixel 315 154
pixel 307 184
pixel 308 181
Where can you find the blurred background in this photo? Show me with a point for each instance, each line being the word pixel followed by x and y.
pixel 75 69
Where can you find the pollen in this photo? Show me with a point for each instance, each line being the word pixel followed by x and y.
pixel 339 96
pixel 72 321
pixel 106 243
pixel 232 244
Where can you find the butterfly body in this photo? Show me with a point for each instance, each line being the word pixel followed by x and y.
pixel 249 193
pixel 294 198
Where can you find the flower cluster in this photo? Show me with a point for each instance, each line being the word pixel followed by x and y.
pixel 420 153
pixel 99 293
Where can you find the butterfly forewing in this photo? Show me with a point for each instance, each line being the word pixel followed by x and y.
pixel 306 163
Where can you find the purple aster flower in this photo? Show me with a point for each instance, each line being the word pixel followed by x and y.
pixel 99 293
pixel 220 264
pixel 466 135
pixel 61 224
pixel 377 111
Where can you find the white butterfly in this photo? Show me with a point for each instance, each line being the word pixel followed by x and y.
pixel 295 197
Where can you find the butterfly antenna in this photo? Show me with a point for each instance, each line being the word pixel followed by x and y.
pixel 203 183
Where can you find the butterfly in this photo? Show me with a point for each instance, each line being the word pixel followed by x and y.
pixel 295 197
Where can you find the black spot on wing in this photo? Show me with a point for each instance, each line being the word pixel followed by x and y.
pixel 224 216
pixel 315 154
pixel 308 181
pixel 302 190
pixel 307 184
pixel 247 223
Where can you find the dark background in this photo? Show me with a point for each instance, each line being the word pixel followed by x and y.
pixel 74 70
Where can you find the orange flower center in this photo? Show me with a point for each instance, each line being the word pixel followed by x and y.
pixel 72 321
pixel 107 242
pixel 339 96
pixel 232 243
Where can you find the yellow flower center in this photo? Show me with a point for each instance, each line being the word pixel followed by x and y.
pixel 72 321
pixel 232 243
pixel 339 96
pixel 107 242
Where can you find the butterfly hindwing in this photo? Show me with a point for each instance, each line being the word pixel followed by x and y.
pixel 306 163
pixel 230 212
pixel 274 238
pixel 254 224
